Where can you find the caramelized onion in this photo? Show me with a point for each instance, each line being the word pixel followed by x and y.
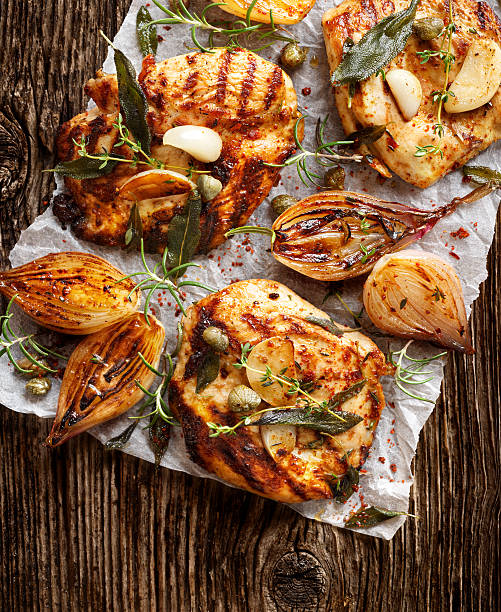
pixel 335 235
pixel 413 294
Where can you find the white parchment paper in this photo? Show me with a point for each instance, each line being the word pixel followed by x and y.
pixel 386 477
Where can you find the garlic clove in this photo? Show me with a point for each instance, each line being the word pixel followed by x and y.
pixel 278 439
pixel 155 184
pixel 202 143
pixel 414 294
pixel 99 381
pixel 406 90
pixel 70 292
pixel 277 354
pixel 479 77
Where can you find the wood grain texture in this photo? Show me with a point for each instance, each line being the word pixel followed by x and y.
pixel 85 529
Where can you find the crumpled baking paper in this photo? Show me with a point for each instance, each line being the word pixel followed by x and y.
pixel 384 484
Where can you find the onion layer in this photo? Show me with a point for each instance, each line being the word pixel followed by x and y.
pixel 413 294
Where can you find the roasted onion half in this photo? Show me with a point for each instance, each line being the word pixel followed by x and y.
pixel 99 382
pixel 414 294
pixel 336 235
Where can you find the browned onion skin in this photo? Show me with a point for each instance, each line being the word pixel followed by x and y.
pixel 71 292
pixel 93 393
pixel 321 236
pixel 414 294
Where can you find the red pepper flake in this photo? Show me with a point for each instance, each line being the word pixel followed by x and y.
pixel 393 422
pixel 393 467
pixel 306 91
pixel 461 233
pixel 455 255
pixel 392 431
pixel 381 459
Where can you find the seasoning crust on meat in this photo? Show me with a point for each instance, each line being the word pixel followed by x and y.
pixel 252 311
pixel 249 101
pixel 467 133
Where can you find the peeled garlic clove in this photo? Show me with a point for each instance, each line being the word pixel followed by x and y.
pixel 99 380
pixel 406 90
pixel 155 184
pixel 413 294
pixel 479 77
pixel 279 440
pixel 202 143
pixel 69 292
pixel 277 354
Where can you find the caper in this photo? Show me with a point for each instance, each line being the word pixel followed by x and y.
pixel 209 187
pixel 292 55
pixel 38 386
pixel 334 178
pixel 243 399
pixel 32 368
pixel 427 28
pixel 281 203
pixel 216 339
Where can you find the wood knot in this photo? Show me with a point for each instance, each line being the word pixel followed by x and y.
pixel 298 581
pixel 13 156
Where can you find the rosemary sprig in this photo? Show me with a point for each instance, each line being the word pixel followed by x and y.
pixel 411 373
pixel 27 344
pixel 324 154
pixel 446 55
pixel 228 33
pixel 161 278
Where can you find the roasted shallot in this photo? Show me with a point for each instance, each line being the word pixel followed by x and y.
pixel 414 294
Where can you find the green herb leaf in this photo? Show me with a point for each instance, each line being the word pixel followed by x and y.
pixel 121 440
pixel 133 104
pixel 482 174
pixel 376 48
pixel 366 136
pixel 134 231
pixel 146 34
pixel 84 168
pixel 318 420
pixel 341 397
pixel 208 370
pixel 342 486
pixel 159 437
pixel 368 517
pixel 325 324
pixel 183 234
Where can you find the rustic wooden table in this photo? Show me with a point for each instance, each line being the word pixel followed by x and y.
pixel 85 529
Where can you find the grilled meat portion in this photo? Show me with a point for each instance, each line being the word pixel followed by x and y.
pixel 466 133
pixel 249 101
pixel 252 311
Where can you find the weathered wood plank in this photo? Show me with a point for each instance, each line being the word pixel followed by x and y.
pixel 85 529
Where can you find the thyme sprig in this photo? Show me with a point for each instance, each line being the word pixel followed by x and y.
pixel 440 97
pixel 161 278
pixel 324 154
pixel 33 350
pixel 229 34
pixel 411 373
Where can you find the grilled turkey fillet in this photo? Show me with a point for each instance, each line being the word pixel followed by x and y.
pixel 249 101
pixel 466 133
pixel 252 311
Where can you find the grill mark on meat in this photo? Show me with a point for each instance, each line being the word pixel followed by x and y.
pixel 271 94
pixel 222 77
pixel 191 81
pixel 247 85
pixel 252 178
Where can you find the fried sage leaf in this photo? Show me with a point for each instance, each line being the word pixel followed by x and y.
pixel 183 234
pixel 134 231
pixel 368 517
pixel 84 168
pixel 318 420
pixel 482 174
pixel 146 34
pixel 366 136
pixel 208 370
pixel 376 48
pixel 327 324
pixel 342 486
pixel 133 103
pixel 341 397
pixel 159 438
